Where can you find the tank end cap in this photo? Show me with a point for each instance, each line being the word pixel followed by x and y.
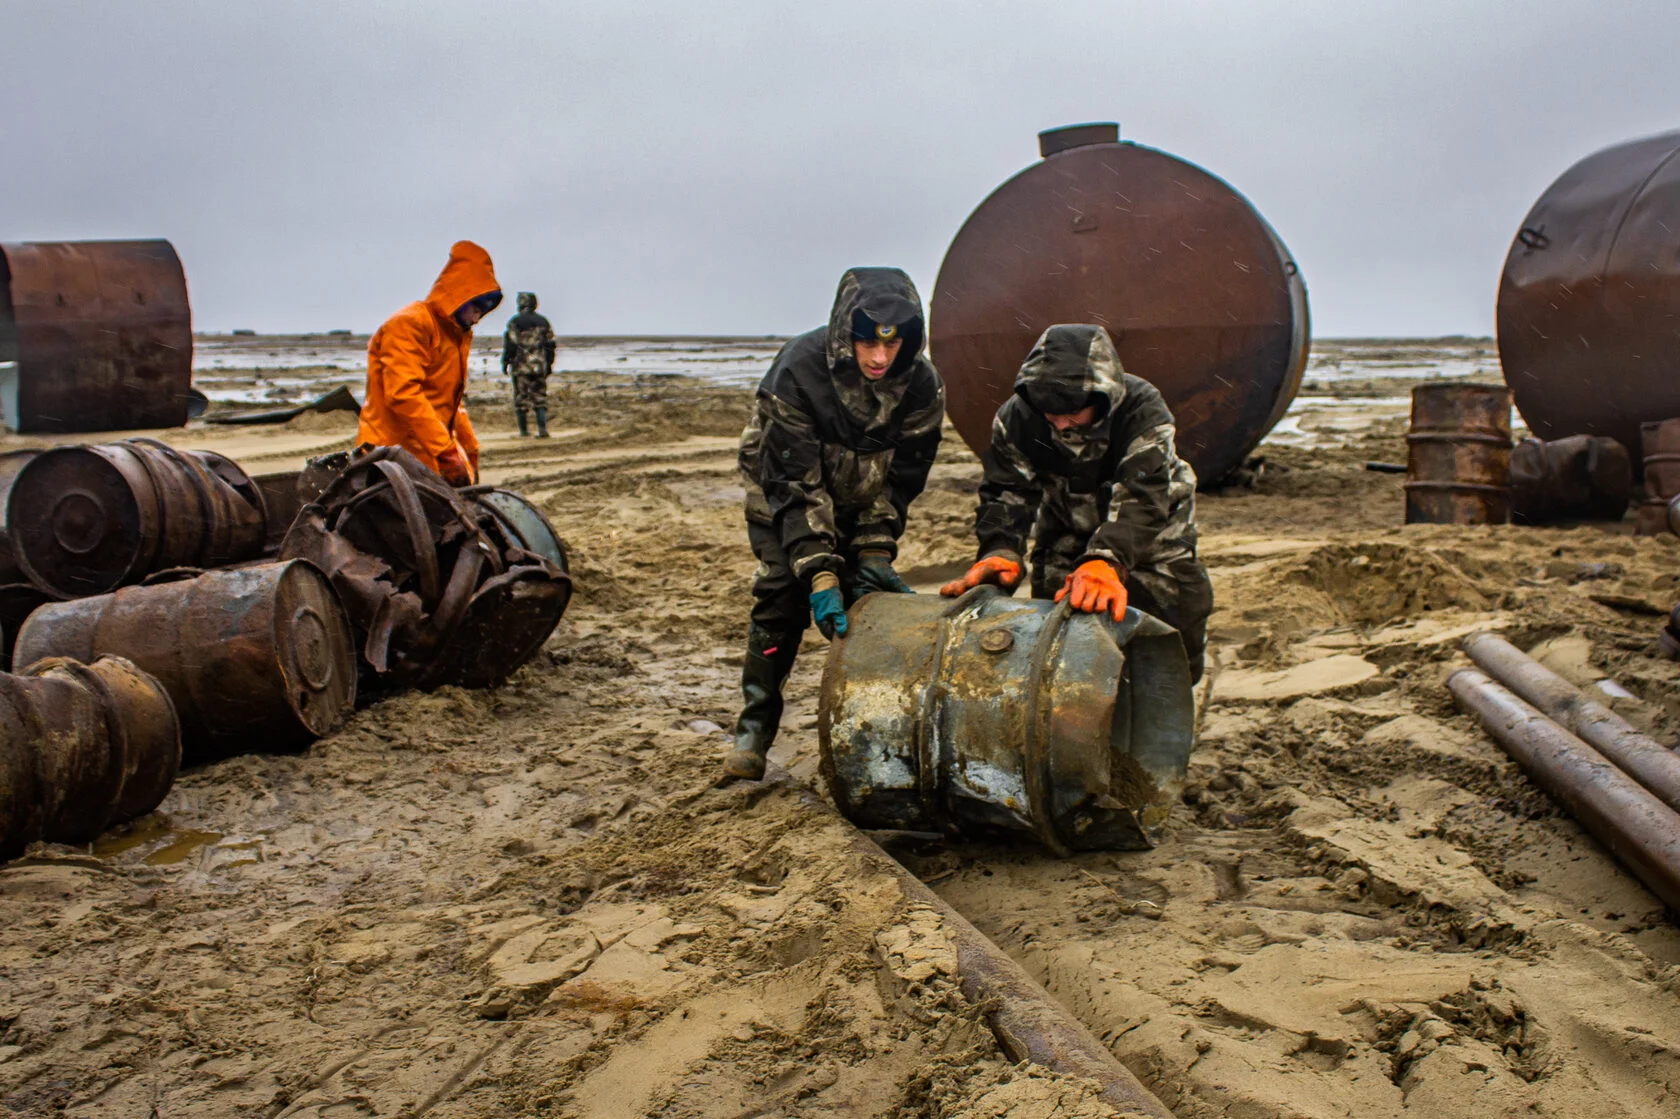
pixel 1053 140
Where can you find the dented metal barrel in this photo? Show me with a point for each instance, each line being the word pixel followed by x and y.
pixel 101 334
pixel 1660 442
pixel 524 524
pixel 11 463
pixel 1458 465
pixel 1578 477
pixel 1201 297
pixel 82 748
pixel 1589 302
pixel 86 520
pixel 258 658
pixel 990 712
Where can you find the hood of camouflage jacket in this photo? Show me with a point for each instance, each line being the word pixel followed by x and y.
pixel 467 276
pixel 1067 366
pixel 527 302
pixel 887 296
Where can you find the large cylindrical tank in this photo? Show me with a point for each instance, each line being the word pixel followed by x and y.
pixel 1589 304
pixel 1200 295
pixel 101 332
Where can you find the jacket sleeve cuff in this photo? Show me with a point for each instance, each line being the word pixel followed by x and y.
pixel 805 567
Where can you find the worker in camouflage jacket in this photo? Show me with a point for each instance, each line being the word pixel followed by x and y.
pixel 1082 456
pixel 528 354
pixel 843 433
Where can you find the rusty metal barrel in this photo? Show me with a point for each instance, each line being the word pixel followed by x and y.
pixel 989 712
pixel 1201 297
pixel 86 520
pixel 101 334
pixel 523 523
pixel 10 464
pixel 1660 443
pixel 1578 477
pixel 82 747
pixel 1458 465
pixel 1589 303
pixel 258 658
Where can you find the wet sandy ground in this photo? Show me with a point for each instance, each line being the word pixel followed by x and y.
pixel 533 901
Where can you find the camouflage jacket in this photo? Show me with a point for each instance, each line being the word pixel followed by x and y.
pixel 830 459
pixel 528 344
pixel 1116 490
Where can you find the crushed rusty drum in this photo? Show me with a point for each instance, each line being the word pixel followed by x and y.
pixel 990 712
pixel 100 333
pixel 1578 477
pixel 1589 302
pixel 1201 297
pixel 257 658
pixel 17 602
pixel 283 500
pixel 439 588
pixel 1660 446
pixel 86 520
pixel 1458 466
pixel 524 523
pixel 82 748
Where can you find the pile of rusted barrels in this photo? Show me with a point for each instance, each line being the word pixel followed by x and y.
pixel 166 608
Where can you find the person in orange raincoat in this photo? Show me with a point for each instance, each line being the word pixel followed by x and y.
pixel 417 369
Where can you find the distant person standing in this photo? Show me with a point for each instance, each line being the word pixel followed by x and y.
pixel 417 369
pixel 528 354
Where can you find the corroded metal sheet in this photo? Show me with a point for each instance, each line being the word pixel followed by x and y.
pixel 1198 292
pixel 990 712
pixel 1589 302
pixel 101 332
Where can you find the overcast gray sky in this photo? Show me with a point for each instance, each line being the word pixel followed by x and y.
pixel 684 167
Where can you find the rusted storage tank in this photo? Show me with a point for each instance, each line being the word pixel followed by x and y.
pixel 101 334
pixel 1199 294
pixel 1589 303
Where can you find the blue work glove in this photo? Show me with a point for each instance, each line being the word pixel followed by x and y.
pixel 828 605
pixel 875 573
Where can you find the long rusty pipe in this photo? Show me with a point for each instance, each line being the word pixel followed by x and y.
pixel 1026 1020
pixel 1641 831
pixel 1643 759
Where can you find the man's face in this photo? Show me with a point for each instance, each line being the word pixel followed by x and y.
pixel 468 315
pixel 875 357
pixel 1067 421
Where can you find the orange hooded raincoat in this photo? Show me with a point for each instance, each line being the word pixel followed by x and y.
pixel 417 366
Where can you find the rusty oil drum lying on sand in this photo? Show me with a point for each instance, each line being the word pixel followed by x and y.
pixel 1200 295
pixel 101 332
pixel 258 658
pixel 992 712
pixel 86 520
pixel 1578 477
pixel 1458 464
pixel 1589 302
pixel 82 748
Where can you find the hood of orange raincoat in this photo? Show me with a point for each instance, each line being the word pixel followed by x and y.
pixel 467 276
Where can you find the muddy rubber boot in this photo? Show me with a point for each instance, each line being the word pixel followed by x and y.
pixel 523 430
pixel 762 675
pixel 542 423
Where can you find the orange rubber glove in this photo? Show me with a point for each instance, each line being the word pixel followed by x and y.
pixel 453 466
pixel 472 461
pixel 1001 570
pixel 1095 586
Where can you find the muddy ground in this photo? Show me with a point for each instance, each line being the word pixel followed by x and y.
pixel 533 901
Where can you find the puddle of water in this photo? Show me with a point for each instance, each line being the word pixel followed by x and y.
pixel 170 845
pixel 183 844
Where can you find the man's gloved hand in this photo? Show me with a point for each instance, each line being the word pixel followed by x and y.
pixel 453 466
pixel 828 606
pixel 1096 586
pixel 1001 570
pixel 875 573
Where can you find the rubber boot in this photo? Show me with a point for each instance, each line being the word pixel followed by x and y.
pixel 523 430
pixel 542 423
pixel 762 674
